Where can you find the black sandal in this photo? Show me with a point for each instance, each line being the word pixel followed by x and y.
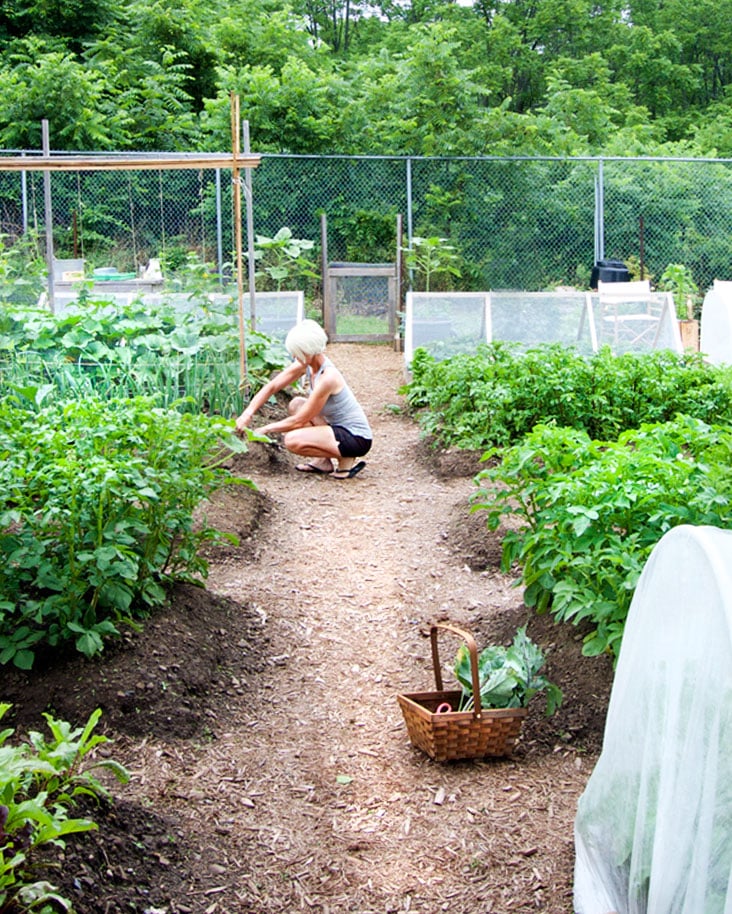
pixel 350 472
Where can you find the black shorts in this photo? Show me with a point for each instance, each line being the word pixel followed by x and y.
pixel 350 445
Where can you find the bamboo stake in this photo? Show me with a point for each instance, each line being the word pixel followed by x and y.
pixel 235 134
pixel 48 205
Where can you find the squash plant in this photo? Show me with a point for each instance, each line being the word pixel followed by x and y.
pixel 509 676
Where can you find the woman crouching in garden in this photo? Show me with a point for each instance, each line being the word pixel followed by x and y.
pixel 329 425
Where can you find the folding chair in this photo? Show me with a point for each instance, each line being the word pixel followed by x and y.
pixel 632 317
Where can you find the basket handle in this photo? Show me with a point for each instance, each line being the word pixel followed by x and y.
pixel 473 650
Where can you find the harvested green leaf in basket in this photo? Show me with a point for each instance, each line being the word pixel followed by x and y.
pixel 509 676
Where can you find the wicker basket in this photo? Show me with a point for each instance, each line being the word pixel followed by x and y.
pixel 449 735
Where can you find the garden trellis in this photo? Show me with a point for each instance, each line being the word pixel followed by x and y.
pixel 49 163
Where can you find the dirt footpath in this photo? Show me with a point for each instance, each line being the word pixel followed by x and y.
pixel 347 816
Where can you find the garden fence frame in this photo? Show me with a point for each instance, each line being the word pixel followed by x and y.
pixel 523 222
pixel 337 277
pixel 46 163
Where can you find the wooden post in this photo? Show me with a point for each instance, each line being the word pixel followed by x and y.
pixel 48 206
pixel 236 181
pixel 250 232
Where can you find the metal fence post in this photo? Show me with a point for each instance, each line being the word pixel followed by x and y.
pixel 219 230
pixel 599 214
pixel 409 211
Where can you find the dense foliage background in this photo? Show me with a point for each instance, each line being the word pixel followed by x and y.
pixel 336 76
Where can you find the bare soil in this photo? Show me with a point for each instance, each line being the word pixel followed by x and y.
pixel 271 767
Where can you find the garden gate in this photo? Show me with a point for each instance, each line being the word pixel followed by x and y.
pixel 361 300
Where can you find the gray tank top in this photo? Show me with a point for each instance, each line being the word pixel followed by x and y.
pixel 343 408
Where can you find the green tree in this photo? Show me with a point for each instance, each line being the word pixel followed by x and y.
pixel 148 94
pixel 714 132
pixel 424 102
pixel 649 65
pixel 297 111
pixel 704 32
pixel 330 21
pixel 265 34
pixel 36 84
pixel 158 28
pixel 74 21
pixel 582 96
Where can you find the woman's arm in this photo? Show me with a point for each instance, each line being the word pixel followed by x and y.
pixel 329 383
pixel 286 377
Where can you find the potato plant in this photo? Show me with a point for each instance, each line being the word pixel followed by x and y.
pixel 96 515
pixel 497 395
pixel 590 512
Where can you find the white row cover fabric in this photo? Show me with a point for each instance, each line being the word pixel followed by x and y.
pixel 627 316
pixel 715 337
pixel 653 831
pixel 276 312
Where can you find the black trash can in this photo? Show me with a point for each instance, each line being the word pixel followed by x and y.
pixel 609 271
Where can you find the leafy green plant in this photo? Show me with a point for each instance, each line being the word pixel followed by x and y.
pixel 677 279
pixel 97 515
pixel 508 677
pixel 282 258
pixel 40 781
pixel 430 258
pixel 185 356
pixel 590 512
pixel 191 274
pixel 497 395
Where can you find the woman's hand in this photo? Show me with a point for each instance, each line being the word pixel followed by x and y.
pixel 243 421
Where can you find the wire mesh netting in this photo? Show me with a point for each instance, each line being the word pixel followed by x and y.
pixel 517 223
pixel 636 322
pixel 361 300
pixel 543 317
pixel 445 324
pixel 452 323
pixel 275 313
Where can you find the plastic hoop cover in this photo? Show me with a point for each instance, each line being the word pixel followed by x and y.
pixel 653 831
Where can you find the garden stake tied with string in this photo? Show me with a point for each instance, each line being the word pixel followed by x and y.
pixel 484 717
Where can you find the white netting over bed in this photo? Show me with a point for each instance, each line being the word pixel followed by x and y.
pixel 627 317
pixel 716 324
pixel 532 318
pixel 631 318
pixel 445 324
pixel 276 312
pixel 653 833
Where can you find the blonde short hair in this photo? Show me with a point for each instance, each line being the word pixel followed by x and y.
pixel 306 339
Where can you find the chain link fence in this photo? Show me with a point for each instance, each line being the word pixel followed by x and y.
pixel 517 223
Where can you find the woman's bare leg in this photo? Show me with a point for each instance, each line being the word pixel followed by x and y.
pixel 316 439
